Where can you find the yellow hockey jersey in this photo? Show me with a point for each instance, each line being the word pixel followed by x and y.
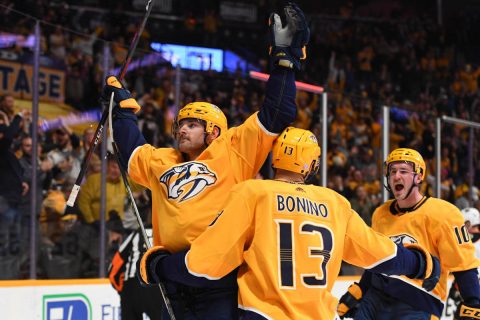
pixel 438 226
pixel 289 241
pixel 187 195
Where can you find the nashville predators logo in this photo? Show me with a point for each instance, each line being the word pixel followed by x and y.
pixel 403 239
pixel 188 180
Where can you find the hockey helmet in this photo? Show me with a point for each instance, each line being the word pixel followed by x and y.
pixel 472 215
pixel 406 155
pixel 209 113
pixel 296 150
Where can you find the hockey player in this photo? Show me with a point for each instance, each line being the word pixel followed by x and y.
pixel 289 239
pixel 190 183
pixel 471 217
pixel 432 223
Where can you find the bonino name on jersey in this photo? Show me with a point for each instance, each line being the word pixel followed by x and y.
pixel 299 204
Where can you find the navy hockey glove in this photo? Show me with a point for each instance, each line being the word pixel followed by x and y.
pixel 349 301
pixel 148 263
pixel 122 97
pixel 288 44
pixel 429 269
pixel 468 310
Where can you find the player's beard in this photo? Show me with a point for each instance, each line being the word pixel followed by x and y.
pixel 191 147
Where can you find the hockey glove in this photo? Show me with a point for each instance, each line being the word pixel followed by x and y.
pixel 288 44
pixel 122 97
pixel 349 301
pixel 429 269
pixel 148 263
pixel 467 311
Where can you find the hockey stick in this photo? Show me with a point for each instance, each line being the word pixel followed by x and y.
pixel 103 119
pixel 116 153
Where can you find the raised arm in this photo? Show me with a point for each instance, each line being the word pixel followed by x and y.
pixel 125 129
pixel 287 48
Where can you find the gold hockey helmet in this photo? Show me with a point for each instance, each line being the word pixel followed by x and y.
pixel 210 113
pixel 407 155
pixel 296 150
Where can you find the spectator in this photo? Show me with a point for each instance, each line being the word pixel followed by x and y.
pixel 58 44
pixel 65 166
pixel 81 151
pixel 147 123
pixel 67 247
pixel 43 168
pixel 12 189
pixel 89 197
pixel 7 107
pixel 362 204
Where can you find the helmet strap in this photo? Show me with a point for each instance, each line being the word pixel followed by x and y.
pixel 387 185
pixel 312 171
pixel 414 184
pixel 411 188
pixel 206 134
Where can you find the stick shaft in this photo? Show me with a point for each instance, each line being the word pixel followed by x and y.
pixel 116 152
pixel 98 132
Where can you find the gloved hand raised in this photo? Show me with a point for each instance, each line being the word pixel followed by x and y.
pixel 288 44
pixel 122 97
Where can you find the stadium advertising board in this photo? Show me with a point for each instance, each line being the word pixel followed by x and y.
pixel 17 78
pixel 91 299
pixel 189 57
pixel 59 300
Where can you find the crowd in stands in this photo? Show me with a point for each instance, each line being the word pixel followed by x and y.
pixel 400 59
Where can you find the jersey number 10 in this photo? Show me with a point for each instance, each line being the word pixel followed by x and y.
pixel 288 249
pixel 462 235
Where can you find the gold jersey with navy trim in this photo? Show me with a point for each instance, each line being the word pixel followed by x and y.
pixel 438 226
pixel 289 241
pixel 186 196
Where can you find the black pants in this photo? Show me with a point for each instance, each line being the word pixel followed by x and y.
pixel 191 303
pixel 136 300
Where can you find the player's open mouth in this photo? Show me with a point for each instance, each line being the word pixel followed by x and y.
pixel 399 187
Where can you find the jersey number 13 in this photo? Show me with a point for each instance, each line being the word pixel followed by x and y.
pixel 288 251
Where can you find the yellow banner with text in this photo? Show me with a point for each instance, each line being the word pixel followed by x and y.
pixel 17 79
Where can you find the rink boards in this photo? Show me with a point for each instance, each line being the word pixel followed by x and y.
pixel 80 299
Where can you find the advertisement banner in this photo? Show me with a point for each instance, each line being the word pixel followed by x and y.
pixel 16 79
pixel 59 300
pixel 93 299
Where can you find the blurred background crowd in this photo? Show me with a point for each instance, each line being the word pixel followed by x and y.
pixel 407 55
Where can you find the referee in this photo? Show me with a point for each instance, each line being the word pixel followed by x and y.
pixel 135 300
